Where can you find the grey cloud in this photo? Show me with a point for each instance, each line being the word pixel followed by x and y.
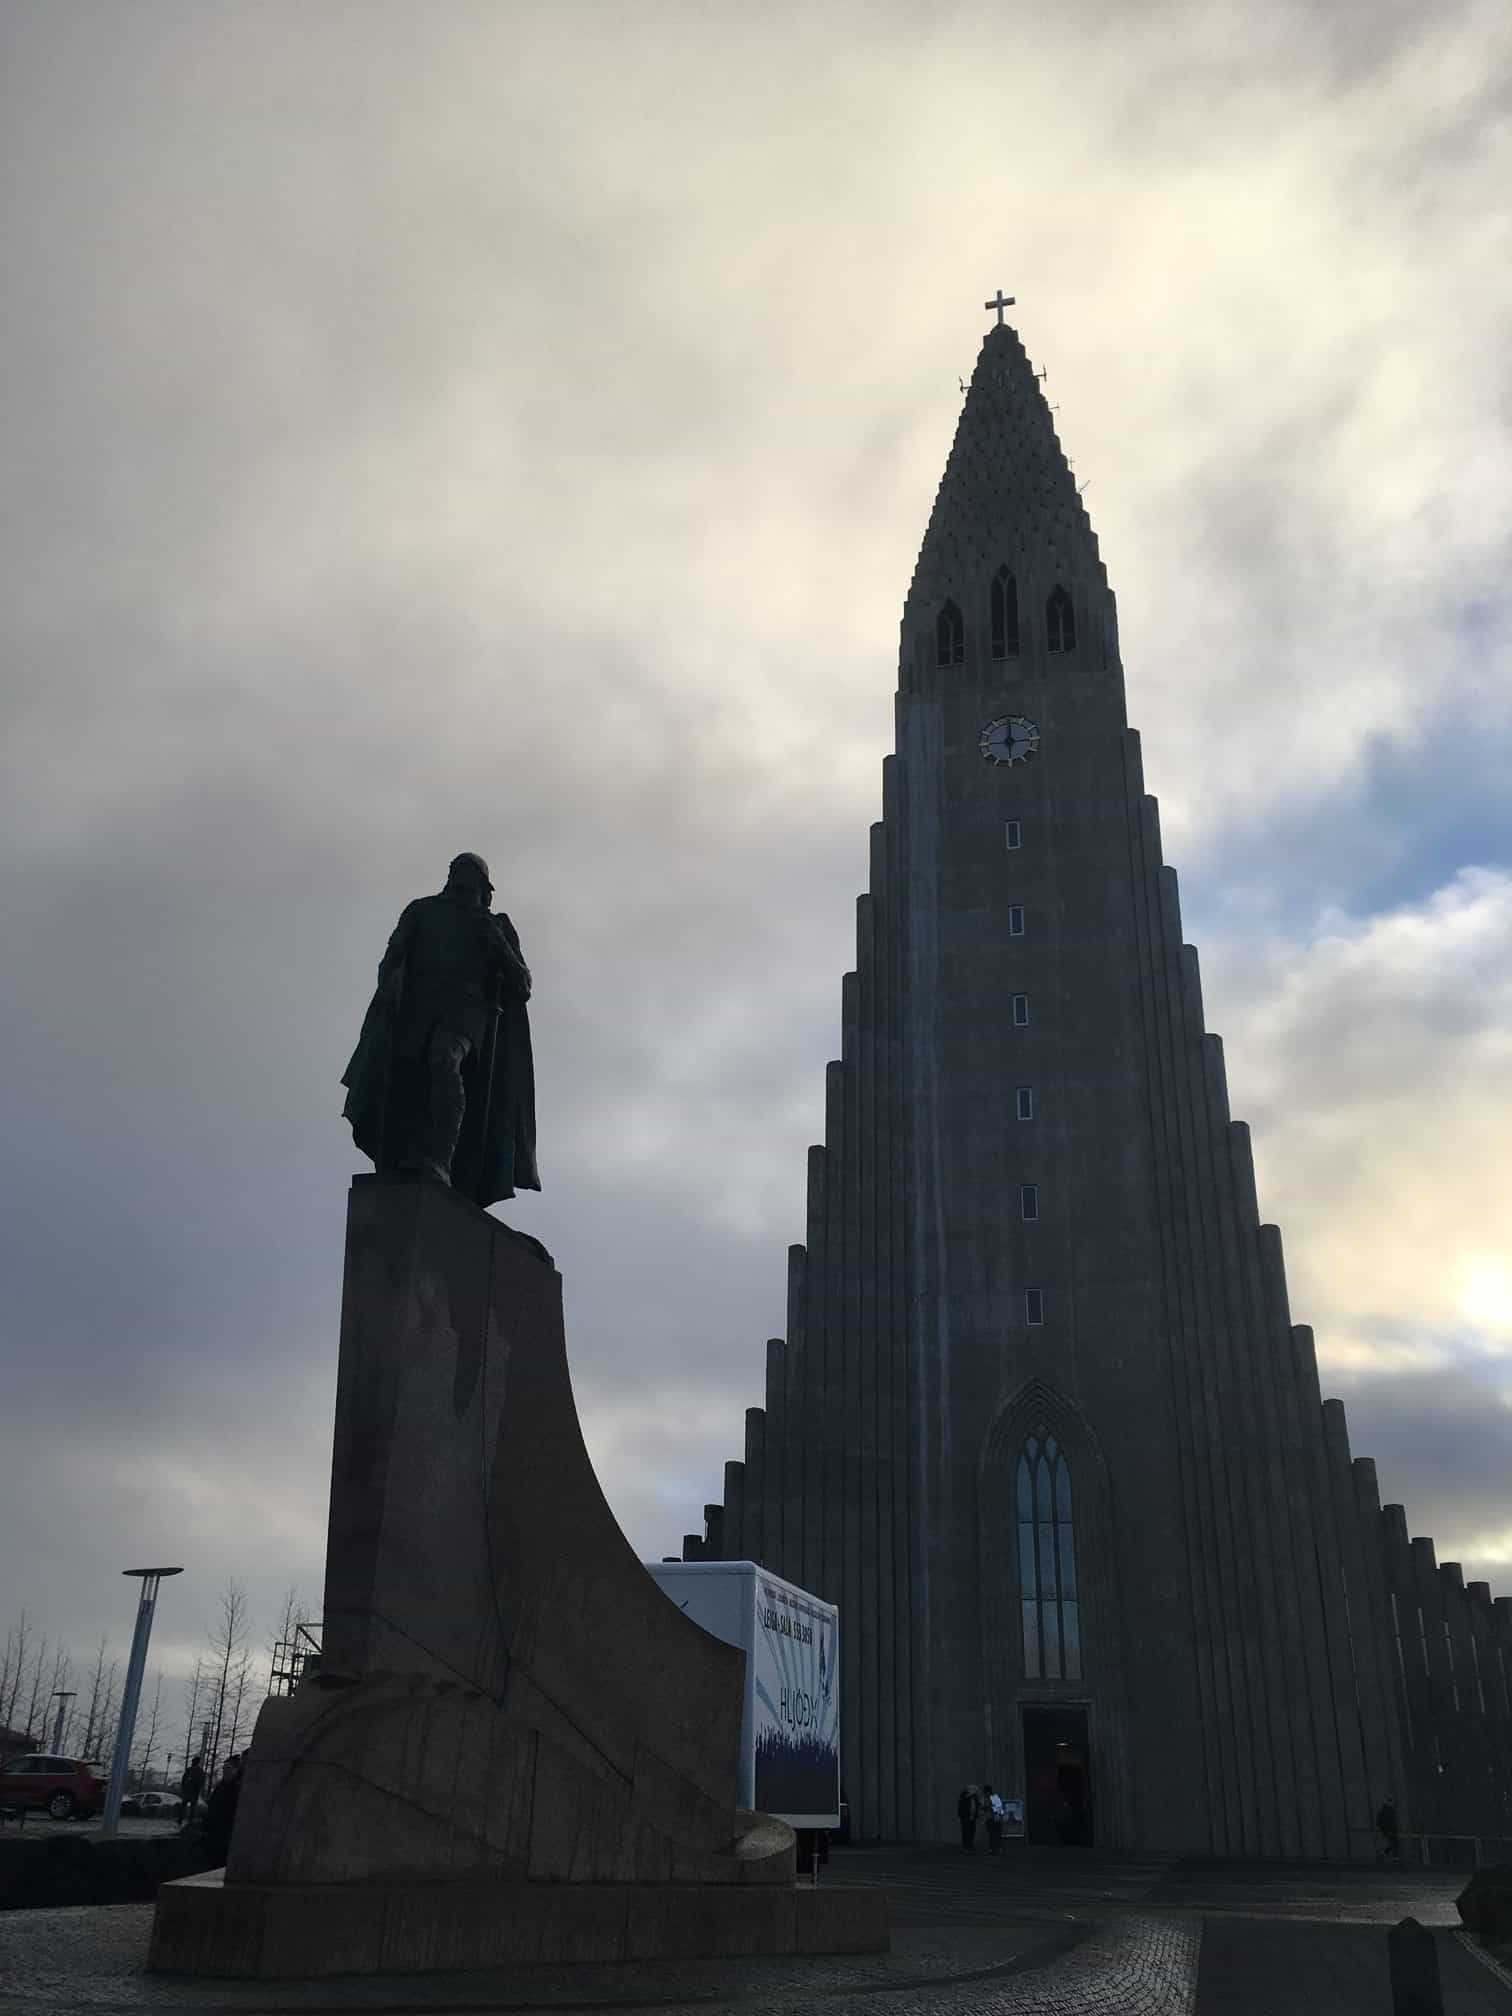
pixel 1435 1431
pixel 514 430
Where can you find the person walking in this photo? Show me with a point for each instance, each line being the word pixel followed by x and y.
pixel 1386 1823
pixel 220 1812
pixel 190 1787
pixel 994 1807
pixel 966 1813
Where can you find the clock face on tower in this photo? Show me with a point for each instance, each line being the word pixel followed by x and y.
pixel 1012 738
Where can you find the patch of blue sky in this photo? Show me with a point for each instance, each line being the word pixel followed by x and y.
pixel 1416 816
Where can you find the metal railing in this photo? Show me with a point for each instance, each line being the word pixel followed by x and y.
pixel 1485 1849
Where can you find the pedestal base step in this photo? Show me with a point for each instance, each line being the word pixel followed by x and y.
pixel 266 1931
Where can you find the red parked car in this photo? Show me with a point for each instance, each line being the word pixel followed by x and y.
pixel 61 1786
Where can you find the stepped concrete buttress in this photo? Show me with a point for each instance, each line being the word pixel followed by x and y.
pixel 516 1748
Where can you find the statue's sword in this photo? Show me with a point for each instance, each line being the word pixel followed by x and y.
pixel 486 1089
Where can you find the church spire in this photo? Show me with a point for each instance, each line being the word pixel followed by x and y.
pixel 1007 499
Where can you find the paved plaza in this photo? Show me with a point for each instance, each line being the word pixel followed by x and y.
pixel 1027 1933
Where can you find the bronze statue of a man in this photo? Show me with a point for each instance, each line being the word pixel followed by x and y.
pixel 442 1080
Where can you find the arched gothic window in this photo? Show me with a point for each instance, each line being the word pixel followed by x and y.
pixel 1060 620
pixel 1005 630
pixel 950 636
pixel 1048 1600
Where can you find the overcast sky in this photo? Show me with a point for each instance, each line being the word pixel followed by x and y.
pixel 432 426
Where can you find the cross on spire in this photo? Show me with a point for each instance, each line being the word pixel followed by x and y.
pixel 1000 301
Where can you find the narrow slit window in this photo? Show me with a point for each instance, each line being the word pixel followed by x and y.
pixel 1021 1011
pixel 1034 1306
pixel 1025 1097
pixel 1029 1201
pixel 1005 623
pixel 1060 620
pixel 950 636
pixel 1015 920
pixel 1013 834
pixel 1396 1632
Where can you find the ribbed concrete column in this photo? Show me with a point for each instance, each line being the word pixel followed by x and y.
pixel 1228 1819
pixel 1425 1589
pixel 1200 1521
pixel 776 1448
pixel 846 1416
pixel 1293 1788
pixel 831 1484
pixel 755 1484
pixel 797 1443
pixel 1490 1732
pixel 919 789
pixel 1280 1833
pixel 882 1348
pixel 1228 1342
pixel 1297 1789
pixel 815 1352
pixel 1397 1728
pixel 901 1337
pixel 1196 1344
pixel 1463 1730
pixel 1340 1771
pixel 1501 1638
pixel 861 1560
pixel 732 1528
pixel 1368 1713
pixel 1401 1575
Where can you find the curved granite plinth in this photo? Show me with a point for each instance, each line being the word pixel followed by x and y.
pixel 506 1699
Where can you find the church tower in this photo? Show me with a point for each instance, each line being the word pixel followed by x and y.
pixel 1041 1424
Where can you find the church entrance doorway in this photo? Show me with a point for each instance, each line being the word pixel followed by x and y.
pixel 1057 1776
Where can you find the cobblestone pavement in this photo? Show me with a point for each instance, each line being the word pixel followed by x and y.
pixel 89 1961
pixel 1039 1933
pixel 1326 1892
pixel 944 1886
pixel 1262 1967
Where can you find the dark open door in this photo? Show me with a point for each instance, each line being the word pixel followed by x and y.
pixel 1057 1777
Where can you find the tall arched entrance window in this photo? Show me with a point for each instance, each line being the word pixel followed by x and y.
pixel 1050 1609
pixel 1056 1697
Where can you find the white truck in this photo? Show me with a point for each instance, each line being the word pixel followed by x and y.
pixel 790 1727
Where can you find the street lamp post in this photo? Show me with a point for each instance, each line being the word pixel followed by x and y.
pixel 62 1695
pixel 131 1694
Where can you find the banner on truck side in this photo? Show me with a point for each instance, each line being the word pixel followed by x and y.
pixel 796 1707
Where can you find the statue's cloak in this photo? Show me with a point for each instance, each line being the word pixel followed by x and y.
pixel 499 1081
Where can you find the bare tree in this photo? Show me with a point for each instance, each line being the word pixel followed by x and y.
pixel 194 1707
pixel 36 1699
pixel 12 1674
pixel 109 1718
pixel 147 1741
pixel 230 1671
pixel 101 1690
pixel 62 1673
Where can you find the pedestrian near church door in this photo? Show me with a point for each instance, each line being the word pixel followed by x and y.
pixel 1057 1776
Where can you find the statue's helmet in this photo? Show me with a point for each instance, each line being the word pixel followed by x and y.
pixel 469 868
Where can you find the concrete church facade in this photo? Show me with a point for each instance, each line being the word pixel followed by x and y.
pixel 1041 1424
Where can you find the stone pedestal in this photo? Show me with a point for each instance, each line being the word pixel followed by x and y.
pixel 516 1747
pixel 261 1930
